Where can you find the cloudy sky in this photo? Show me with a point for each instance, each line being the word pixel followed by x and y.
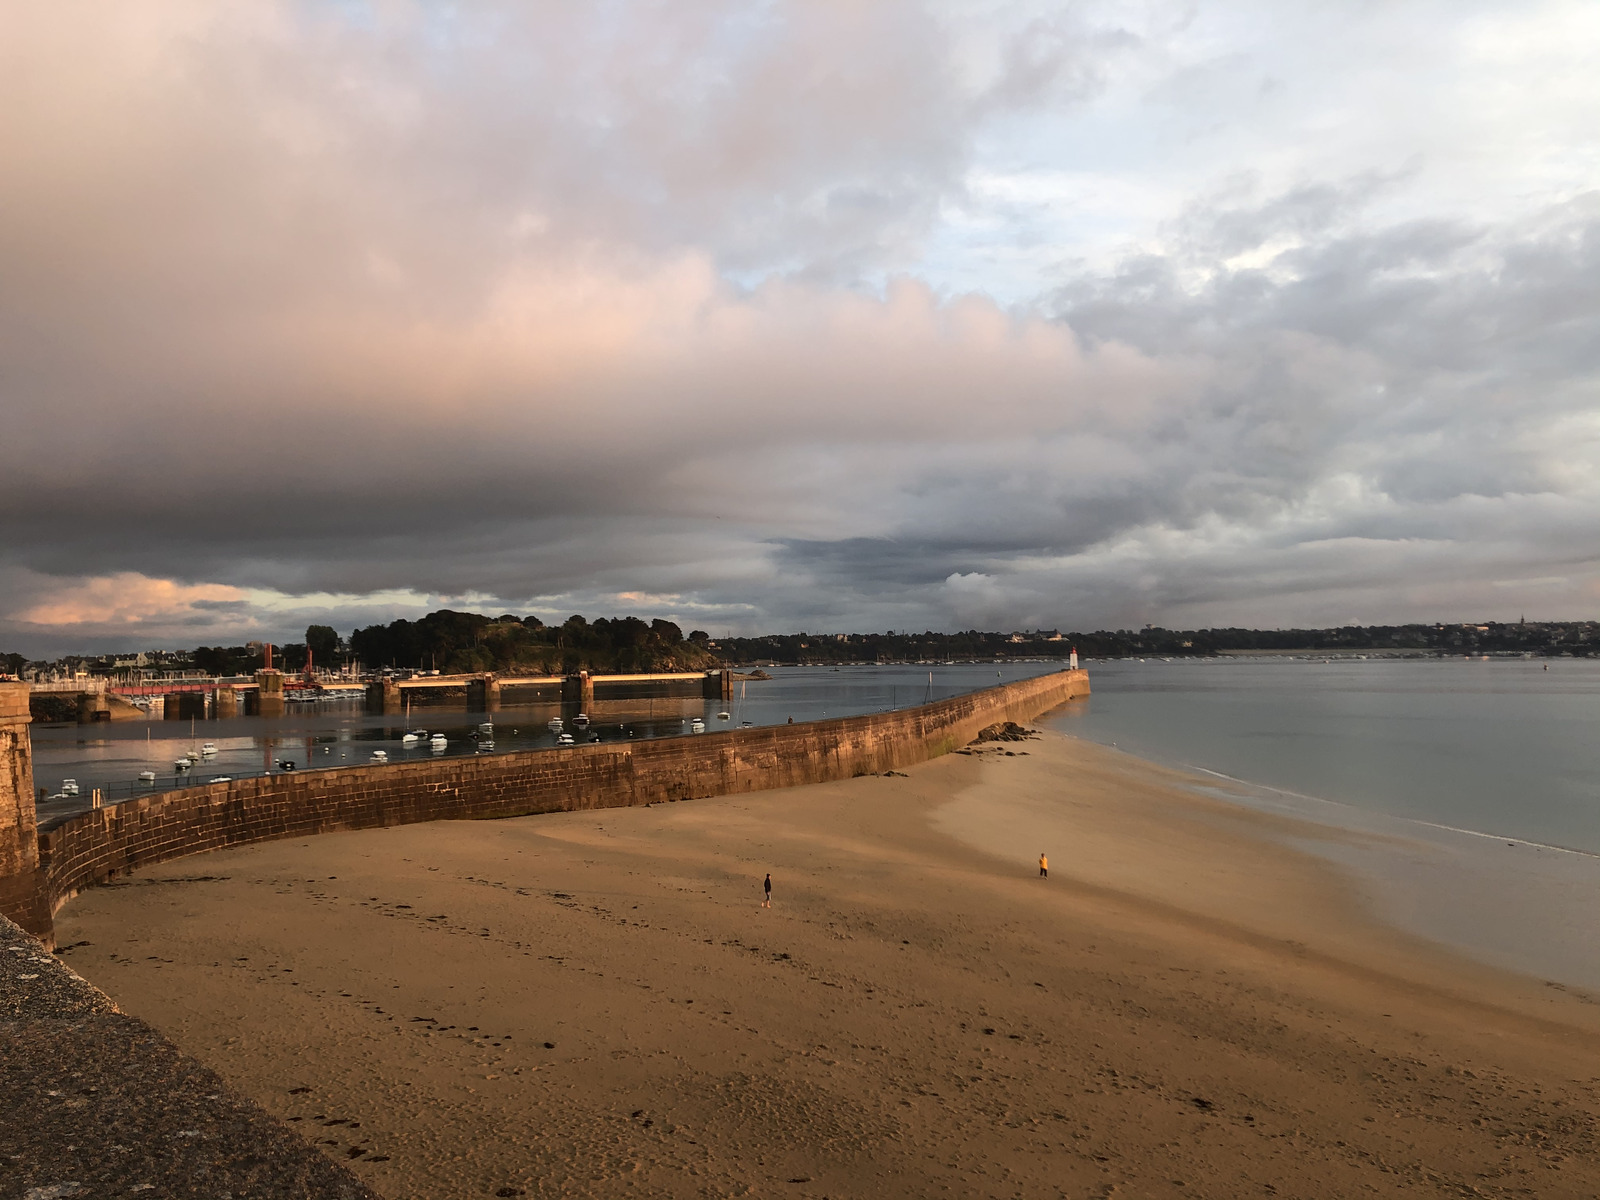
pixel 780 314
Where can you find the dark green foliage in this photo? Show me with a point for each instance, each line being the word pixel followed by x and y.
pixel 456 643
pixel 323 641
pixel 1579 638
pixel 462 642
pixel 226 660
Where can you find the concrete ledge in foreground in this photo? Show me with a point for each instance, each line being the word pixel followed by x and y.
pixel 94 1103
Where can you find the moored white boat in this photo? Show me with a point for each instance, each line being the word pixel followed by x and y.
pixel 69 787
pixel 697 726
pixel 438 741
pixel 380 756
pixel 208 749
pixel 564 739
pixel 184 763
pixel 147 776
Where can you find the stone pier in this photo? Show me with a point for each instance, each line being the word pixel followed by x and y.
pixel 269 692
pixel 224 703
pixel 93 707
pixel 483 694
pixel 184 706
pixel 578 689
pixel 23 892
pixel 383 696
pixel 719 685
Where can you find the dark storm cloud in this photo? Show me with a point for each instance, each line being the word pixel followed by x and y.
pixel 304 319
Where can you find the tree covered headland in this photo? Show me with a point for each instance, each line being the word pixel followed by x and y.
pixel 455 642
pixel 1580 638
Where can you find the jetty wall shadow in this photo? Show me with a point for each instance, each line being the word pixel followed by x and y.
pixel 102 844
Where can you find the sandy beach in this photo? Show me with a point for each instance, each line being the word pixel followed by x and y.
pixel 596 1004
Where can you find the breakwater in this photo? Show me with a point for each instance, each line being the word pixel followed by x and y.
pixel 50 867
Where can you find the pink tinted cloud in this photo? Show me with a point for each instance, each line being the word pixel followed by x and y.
pixel 127 599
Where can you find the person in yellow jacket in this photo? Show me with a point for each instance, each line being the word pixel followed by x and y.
pixel 1044 866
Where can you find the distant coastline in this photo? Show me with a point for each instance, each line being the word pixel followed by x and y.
pixel 455 642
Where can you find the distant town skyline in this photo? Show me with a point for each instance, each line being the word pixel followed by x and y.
pixel 849 317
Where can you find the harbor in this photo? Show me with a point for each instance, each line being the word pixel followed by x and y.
pixel 123 760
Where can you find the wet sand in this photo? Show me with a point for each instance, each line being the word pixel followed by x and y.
pixel 595 1004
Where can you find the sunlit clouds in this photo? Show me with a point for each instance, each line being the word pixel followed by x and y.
pixel 129 599
pixel 834 316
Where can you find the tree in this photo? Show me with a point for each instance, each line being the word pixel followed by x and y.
pixel 213 660
pixel 323 641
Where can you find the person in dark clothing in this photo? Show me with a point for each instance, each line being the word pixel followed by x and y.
pixel 767 888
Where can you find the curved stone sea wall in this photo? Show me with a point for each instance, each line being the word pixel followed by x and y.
pixel 103 844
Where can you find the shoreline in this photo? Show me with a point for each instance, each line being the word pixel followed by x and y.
pixel 1529 912
pixel 1187 998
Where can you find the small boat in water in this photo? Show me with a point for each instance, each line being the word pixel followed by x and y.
pixel 555 723
pixel 581 720
pixel 69 787
pixel 208 750
pixel 697 726
pixel 221 779
pixel 564 739
pixel 485 743
pixel 184 763
pixel 411 739
pixel 438 741
pixel 147 776
pixel 380 756
pixel 487 727
pixel 723 716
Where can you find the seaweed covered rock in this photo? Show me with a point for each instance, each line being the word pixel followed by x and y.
pixel 1004 731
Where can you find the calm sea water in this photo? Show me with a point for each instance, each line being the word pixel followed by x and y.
pixel 1478 781
pixel 1501 746
pixel 334 733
